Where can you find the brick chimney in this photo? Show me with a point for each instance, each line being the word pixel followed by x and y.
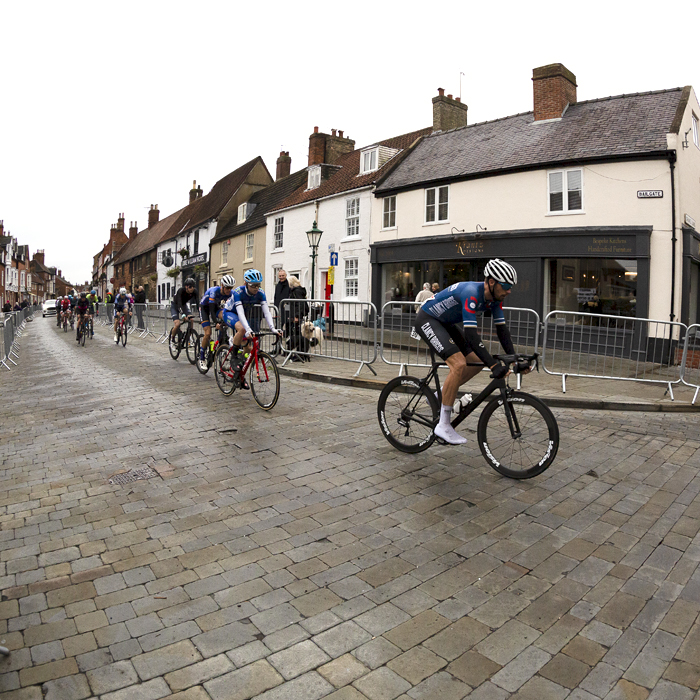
pixel 133 230
pixel 38 256
pixel 554 88
pixel 195 192
pixel 2 228
pixel 328 148
pixel 284 165
pixel 120 222
pixel 153 216
pixel 448 113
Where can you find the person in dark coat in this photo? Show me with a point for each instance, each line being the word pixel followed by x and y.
pixel 282 288
pixel 140 301
pixel 298 311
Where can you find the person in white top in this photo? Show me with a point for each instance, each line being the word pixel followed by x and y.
pixel 424 294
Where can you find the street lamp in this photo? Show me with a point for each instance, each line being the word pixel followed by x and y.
pixel 314 236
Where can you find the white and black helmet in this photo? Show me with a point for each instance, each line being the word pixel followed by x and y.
pixel 228 281
pixel 501 271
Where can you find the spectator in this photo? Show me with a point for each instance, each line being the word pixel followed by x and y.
pixel 109 300
pixel 282 292
pixel 436 287
pixel 424 294
pixel 7 307
pixel 17 307
pixel 140 301
pixel 24 304
pixel 298 310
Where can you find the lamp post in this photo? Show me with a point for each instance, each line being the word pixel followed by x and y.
pixel 314 236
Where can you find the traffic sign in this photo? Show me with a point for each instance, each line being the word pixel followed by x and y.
pixel 334 259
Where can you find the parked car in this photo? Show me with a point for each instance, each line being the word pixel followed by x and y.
pixel 48 308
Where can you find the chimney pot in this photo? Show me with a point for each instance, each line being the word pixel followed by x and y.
pixel 340 133
pixel 284 165
pixel 458 99
pixel 332 132
pixel 441 92
pixel 449 97
pixel 315 130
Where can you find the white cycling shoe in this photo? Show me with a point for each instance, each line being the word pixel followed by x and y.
pixel 449 434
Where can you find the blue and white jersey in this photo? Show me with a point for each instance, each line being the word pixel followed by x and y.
pixel 121 300
pixel 240 296
pixel 215 296
pixel 462 302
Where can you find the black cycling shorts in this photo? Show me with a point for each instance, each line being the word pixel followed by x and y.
pixel 444 339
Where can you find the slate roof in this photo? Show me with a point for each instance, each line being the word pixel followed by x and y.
pixel 346 178
pixel 622 126
pixel 149 238
pixel 265 201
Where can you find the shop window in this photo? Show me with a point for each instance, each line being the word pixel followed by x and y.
pixel 352 217
pixel 389 215
pixel 279 232
pixel 591 285
pixel 565 191
pixel 437 204
pixel 352 282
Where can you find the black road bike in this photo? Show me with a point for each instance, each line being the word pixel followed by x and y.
pixel 210 351
pixel 184 340
pixel 517 433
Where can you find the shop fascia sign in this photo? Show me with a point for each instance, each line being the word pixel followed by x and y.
pixel 650 194
pixel 194 260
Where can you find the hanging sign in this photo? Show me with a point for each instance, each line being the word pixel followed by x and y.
pixel 331 275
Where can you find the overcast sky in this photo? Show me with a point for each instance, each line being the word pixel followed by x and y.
pixel 112 107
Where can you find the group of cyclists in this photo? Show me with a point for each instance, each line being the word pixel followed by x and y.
pixel 224 305
pixel 84 306
pixel 446 322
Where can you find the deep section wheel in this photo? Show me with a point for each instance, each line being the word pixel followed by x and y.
pixel 264 381
pixel 125 332
pixel 223 370
pixel 407 413
pixel 191 346
pixel 175 343
pixel 524 446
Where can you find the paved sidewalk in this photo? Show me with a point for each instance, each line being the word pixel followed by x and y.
pixel 295 554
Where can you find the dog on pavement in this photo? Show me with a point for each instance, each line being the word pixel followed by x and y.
pixel 312 333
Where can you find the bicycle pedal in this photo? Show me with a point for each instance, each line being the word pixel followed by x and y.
pixel 440 441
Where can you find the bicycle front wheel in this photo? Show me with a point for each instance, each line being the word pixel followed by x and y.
pixel 223 371
pixel 174 344
pixel 407 413
pixel 535 444
pixel 264 381
pixel 125 329
pixel 82 336
pixel 191 346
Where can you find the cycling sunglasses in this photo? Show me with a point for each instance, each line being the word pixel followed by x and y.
pixel 506 287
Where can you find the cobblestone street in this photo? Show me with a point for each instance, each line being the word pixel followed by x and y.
pixel 294 554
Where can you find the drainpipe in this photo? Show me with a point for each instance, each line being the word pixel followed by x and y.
pixel 672 164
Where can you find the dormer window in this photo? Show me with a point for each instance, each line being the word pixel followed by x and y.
pixel 369 160
pixel 314 177
pixel 244 212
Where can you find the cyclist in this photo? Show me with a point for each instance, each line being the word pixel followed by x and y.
pixel 210 308
pixel 65 309
pixel 184 297
pixel 122 304
pixel 244 297
pixel 59 310
pixel 93 300
pixel 82 309
pixel 437 322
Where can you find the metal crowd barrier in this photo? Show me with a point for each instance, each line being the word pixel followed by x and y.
pixel 13 325
pixel 350 335
pixel 690 364
pixel 603 346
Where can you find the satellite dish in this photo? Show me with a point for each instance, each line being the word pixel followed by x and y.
pixel 168 260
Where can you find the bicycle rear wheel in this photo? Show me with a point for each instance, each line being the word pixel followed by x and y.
pixel 191 346
pixel 407 413
pixel 533 450
pixel 175 343
pixel 264 381
pixel 223 370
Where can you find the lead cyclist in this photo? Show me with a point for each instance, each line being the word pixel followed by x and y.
pixel 438 324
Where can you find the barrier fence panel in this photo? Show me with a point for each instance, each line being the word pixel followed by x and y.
pixel 690 366
pixel 579 344
pixel 400 346
pixel 338 330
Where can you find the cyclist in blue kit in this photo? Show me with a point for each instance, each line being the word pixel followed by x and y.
pixel 438 323
pixel 210 308
pixel 243 300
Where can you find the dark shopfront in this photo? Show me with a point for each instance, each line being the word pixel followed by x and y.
pixel 600 270
pixel 690 299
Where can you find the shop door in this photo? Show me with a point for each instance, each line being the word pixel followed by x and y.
pixel 694 296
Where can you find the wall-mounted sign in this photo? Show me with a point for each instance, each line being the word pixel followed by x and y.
pixel 194 260
pixel 690 221
pixel 334 259
pixel 331 247
pixel 650 194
